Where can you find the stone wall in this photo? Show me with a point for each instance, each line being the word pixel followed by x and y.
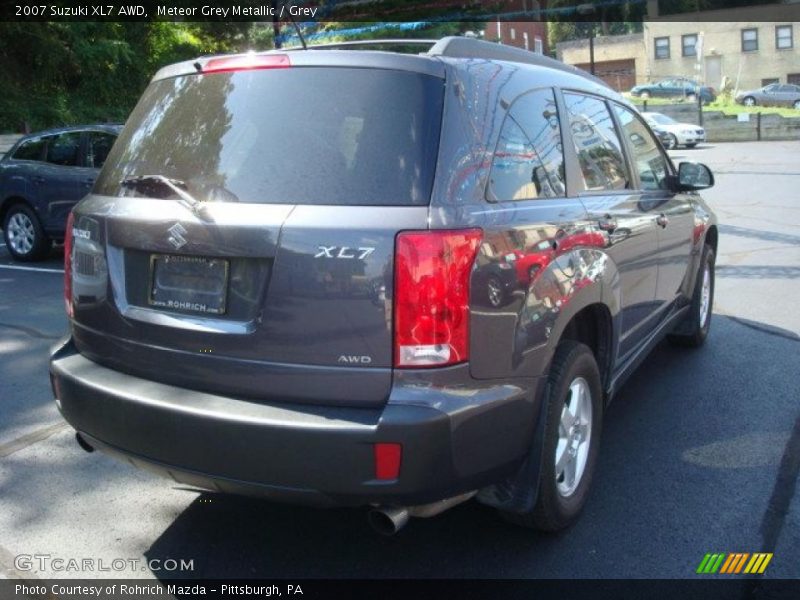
pixel 6 141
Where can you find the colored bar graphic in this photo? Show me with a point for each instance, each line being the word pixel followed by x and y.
pixel 728 562
pixel 702 567
pixel 733 563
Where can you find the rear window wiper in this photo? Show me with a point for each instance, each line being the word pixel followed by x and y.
pixel 149 184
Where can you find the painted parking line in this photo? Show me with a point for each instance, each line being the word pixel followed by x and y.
pixel 40 269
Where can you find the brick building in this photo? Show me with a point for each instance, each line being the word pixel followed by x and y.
pixel 530 34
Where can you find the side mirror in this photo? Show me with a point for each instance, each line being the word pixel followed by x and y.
pixel 694 176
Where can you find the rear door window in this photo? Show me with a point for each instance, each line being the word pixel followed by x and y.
pixel 528 162
pixel 64 149
pixel 300 135
pixel 30 150
pixel 597 144
pixel 98 147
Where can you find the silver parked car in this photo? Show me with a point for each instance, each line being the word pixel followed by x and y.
pixel 774 94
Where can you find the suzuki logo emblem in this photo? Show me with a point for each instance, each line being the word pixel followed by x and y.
pixel 176 233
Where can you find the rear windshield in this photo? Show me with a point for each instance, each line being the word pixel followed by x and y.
pixel 308 135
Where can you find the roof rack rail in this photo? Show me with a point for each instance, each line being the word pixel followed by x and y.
pixel 464 47
pixel 367 43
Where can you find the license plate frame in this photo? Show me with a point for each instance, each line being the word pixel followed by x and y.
pixel 165 269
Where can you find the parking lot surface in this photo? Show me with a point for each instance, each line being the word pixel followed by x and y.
pixel 700 452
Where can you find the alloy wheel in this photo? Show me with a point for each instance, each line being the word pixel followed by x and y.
pixel 574 437
pixel 705 296
pixel 21 233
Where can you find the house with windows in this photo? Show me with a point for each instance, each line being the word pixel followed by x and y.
pixel 747 47
pixel 530 34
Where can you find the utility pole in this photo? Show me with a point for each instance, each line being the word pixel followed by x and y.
pixel 276 25
pixel 585 11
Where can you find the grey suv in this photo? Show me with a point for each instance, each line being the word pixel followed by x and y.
pixel 361 278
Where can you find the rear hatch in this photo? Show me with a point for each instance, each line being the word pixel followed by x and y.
pixel 240 237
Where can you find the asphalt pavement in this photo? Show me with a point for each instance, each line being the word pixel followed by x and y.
pixel 700 452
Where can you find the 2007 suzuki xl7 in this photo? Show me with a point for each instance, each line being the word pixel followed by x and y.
pixel 355 278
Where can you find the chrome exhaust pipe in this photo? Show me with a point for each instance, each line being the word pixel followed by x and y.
pixel 86 446
pixel 388 520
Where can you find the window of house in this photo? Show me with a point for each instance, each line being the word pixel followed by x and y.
pixel 749 40
pixel 597 144
pixel 662 47
pixel 793 78
pixel 30 150
pixel 538 47
pixel 513 33
pixel 784 38
pixel 529 162
pixel 689 44
pixel 648 157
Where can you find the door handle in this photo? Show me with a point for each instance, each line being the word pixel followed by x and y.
pixel 662 220
pixel 607 223
pixel 38 179
pixel 89 181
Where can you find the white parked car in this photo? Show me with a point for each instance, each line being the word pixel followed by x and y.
pixel 680 134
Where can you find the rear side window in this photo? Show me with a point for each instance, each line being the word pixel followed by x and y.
pixel 64 149
pixel 98 148
pixel 597 144
pixel 31 150
pixel 301 135
pixel 528 162
pixel 648 158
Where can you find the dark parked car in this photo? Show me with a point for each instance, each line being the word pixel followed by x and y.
pixel 42 177
pixel 774 94
pixel 675 87
pixel 212 335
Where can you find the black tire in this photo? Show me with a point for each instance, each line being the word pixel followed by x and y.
pixel 796 105
pixel 554 510
pixel 39 244
pixel 749 101
pixel 691 145
pixel 673 141
pixel 693 330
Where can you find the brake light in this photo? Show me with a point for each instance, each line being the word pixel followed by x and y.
pixel 68 266
pixel 247 62
pixel 431 296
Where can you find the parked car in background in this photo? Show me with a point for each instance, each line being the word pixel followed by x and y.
pixel 675 87
pixel 663 136
pixel 473 378
pixel 774 94
pixel 678 134
pixel 42 177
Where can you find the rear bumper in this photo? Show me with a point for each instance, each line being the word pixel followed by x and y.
pixel 455 438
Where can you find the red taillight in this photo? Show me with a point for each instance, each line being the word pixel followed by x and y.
pixel 68 266
pixel 431 296
pixel 247 62
pixel 387 461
